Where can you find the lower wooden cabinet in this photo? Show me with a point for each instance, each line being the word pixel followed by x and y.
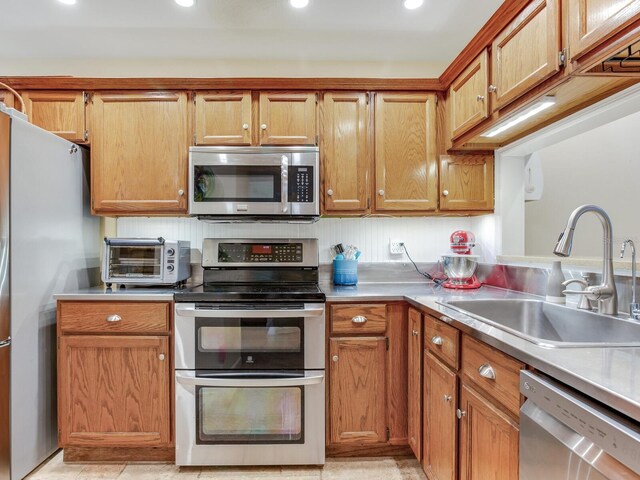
pixel 488 439
pixel 414 382
pixel 440 425
pixel 357 383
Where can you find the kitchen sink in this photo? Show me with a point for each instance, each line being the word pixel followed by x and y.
pixel 551 325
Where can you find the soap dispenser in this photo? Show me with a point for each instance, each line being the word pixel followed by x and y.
pixel 554 284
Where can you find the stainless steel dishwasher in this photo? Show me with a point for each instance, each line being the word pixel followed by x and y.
pixel 565 435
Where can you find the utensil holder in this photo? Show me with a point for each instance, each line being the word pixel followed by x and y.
pixel 345 272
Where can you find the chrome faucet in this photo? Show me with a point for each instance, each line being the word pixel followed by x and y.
pixel 634 306
pixel 606 293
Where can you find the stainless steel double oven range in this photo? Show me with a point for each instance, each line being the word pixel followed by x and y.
pixel 250 356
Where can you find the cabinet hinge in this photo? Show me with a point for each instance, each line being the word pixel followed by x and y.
pixel 562 57
pixel 386 340
pixel 388 432
pixel 87 97
pixel 86 135
pixel 368 203
pixel 317 139
pixel 367 95
pixel 317 96
pixel 194 138
pixel 436 99
pixel 193 95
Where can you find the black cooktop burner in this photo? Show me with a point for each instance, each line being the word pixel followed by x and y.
pixel 253 292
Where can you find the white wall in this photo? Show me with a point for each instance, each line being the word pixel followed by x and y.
pixel 426 238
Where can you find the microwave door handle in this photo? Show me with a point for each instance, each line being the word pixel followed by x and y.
pixel 189 378
pixel 205 313
pixel 284 194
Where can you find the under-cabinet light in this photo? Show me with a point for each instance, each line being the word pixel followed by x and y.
pixel 541 105
pixel 186 3
pixel 412 4
pixel 299 3
pixel 68 2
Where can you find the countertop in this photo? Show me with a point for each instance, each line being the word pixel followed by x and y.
pixel 610 375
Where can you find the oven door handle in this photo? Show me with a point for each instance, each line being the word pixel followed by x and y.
pixel 189 378
pixel 205 313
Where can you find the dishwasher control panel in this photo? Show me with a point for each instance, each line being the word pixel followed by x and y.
pixel 616 435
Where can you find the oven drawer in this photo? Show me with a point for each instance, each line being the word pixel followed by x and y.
pixel 359 318
pixel 114 317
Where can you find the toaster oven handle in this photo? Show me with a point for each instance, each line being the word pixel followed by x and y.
pixel 134 242
pixel 206 313
pixel 189 378
pixel 284 173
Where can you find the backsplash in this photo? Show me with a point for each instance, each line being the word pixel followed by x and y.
pixel 426 238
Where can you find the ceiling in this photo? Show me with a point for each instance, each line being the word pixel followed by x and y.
pixel 248 30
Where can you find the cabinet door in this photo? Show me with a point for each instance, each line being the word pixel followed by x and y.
pixel 590 22
pixel 139 153
pixel 468 97
pixel 488 439
pixel 357 390
pixel 287 118
pixel 526 52
pixel 61 113
pixel 466 182
pixel 8 99
pixel 440 440
pixel 405 155
pixel 223 118
pixel 414 379
pixel 345 153
pixel 114 391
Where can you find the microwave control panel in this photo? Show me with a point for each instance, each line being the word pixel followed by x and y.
pixel 260 252
pixel 301 184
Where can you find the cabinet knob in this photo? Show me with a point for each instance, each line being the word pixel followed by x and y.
pixel 437 340
pixel 263 126
pixel 114 318
pixel 414 333
pixel 381 192
pixel 493 89
pixel 359 319
pixel 330 192
pixel 447 398
pixel 445 193
pixel 480 98
pixel 460 413
pixel 485 370
pixel 334 358
pixel 161 357
pixel 181 192
pixel 245 126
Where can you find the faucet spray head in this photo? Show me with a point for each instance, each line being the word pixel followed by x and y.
pixel 565 242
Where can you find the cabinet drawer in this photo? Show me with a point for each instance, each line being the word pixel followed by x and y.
pixel 358 318
pixel 442 340
pixel 493 371
pixel 113 317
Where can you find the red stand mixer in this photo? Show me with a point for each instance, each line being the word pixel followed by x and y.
pixel 460 266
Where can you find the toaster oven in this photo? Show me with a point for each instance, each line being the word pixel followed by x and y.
pixel 145 261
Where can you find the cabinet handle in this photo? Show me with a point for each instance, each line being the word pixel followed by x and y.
pixel 330 192
pixel 334 358
pixel 437 340
pixel 161 357
pixel 493 89
pixel 414 333
pixel 181 192
pixel 460 413
pixel 359 319
pixel 447 398
pixel 485 370
pixel 445 193
pixel 245 126
pixel 114 318
pixel 263 126
pixel 480 98
pixel 381 192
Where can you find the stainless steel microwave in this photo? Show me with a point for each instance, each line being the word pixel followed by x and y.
pixel 254 183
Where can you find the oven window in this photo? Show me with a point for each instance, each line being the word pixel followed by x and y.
pixel 133 261
pixel 250 415
pixel 250 339
pixel 253 183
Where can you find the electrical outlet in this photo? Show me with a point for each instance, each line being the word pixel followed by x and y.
pixel 396 247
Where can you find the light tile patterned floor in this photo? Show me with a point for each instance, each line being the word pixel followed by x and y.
pixel 382 468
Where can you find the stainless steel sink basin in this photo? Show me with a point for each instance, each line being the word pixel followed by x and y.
pixel 552 325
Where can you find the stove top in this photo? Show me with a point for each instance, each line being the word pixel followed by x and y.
pixel 263 292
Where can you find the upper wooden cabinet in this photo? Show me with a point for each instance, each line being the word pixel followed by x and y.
pixel 414 381
pixel 406 165
pixel 526 52
pixel 288 118
pixel 468 96
pixel 466 182
pixel 139 153
pixel 60 112
pixel 589 22
pixel 223 118
pixel 8 99
pixel 345 152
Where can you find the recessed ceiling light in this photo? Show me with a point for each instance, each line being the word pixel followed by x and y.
pixel 412 4
pixel 68 2
pixel 186 3
pixel 299 3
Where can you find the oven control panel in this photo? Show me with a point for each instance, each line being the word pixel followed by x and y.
pixel 260 252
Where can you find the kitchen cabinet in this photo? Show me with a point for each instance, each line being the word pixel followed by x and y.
pixel 406 164
pixel 440 438
pixel 466 182
pixel 590 22
pixel 526 52
pixel 114 376
pixel 468 96
pixel 60 112
pixel 139 153
pixel 488 439
pixel 414 382
pixel 288 118
pixel 223 118
pixel 345 151
pixel 8 99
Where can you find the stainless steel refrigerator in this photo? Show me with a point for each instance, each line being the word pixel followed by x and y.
pixel 49 243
